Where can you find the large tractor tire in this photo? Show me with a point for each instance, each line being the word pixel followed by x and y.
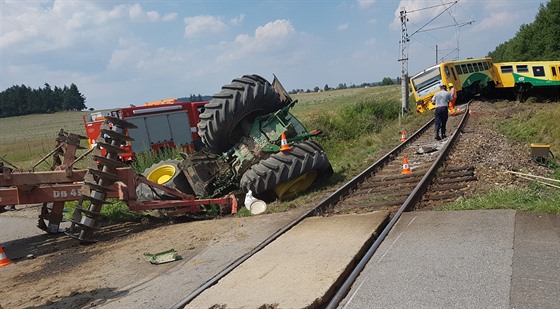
pixel 166 173
pixel 221 122
pixel 286 174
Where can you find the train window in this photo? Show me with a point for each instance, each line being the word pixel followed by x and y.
pixel 458 68
pixel 453 72
pixel 480 68
pixel 470 67
pixel 485 64
pixel 447 72
pixel 464 68
pixel 538 71
pixel 553 71
pixel 522 68
pixel 507 69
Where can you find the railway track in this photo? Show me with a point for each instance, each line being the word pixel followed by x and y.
pixel 385 186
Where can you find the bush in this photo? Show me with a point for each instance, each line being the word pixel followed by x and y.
pixel 146 159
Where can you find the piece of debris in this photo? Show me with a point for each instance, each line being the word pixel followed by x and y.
pixel 163 257
pixel 426 149
pixel 253 204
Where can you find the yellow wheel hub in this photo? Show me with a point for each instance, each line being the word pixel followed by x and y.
pixel 162 174
pixel 295 186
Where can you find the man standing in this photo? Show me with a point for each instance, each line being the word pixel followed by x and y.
pixel 441 98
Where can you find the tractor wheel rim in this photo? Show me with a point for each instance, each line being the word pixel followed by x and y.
pixel 295 186
pixel 162 174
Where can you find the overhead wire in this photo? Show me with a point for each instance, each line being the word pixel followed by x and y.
pixel 448 6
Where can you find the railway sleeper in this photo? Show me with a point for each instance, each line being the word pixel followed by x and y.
pixel 374 202
pixel 454 180
pixel 446 196
pixel 455 174
pixel 387 177
pixel 457 169
pixel 456 186
pixel 378 183
pixel 383 189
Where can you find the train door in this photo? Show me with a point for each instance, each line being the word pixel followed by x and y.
pixel 451 77
pixel 555 70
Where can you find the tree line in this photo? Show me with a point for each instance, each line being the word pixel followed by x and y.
pixel 385 82
pixel 22 100
pixel 537 41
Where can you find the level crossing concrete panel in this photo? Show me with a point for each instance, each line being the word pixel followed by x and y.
pixel 454 259
pixel 536 261
pixel 299 268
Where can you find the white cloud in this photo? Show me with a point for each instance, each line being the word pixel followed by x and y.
pixel 270 39
pixel 494 21
pixel 169 17
pixel 129 54
pixel 365 3
pixel 40 26
pixel 277 29
pixel 203 24
pixel 342 27
pixel 238 20
pixel 137 14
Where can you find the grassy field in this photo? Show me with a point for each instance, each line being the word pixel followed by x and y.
pixel 26 139
pixel 356 124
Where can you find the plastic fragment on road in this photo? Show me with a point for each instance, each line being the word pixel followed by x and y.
pixel 163 257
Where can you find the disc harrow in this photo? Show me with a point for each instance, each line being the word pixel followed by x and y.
pixel 99 179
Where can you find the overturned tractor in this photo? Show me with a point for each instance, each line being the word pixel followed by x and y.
pixel 242 129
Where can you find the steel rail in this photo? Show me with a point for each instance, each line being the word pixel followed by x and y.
pixel 412 199
pixel 316 210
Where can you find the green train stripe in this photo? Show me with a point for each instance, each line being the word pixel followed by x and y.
pixel 538 82
pixel 482 78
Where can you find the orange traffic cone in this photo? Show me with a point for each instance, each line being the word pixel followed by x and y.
pixel 405 167
pixel 4 259
pixel 284 143
pixel 403 136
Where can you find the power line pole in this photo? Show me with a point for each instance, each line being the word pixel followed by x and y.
pixel 405 38
pixel 404 64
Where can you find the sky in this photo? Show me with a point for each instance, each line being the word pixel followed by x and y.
pixel 131 52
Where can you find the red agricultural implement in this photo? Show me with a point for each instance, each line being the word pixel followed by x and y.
pixel 107 178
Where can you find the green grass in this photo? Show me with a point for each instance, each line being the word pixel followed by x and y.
pixel 535 198
pixel 24 140
pixel 356 123
pixel 538 125
pixel 145 160
pixel 115 212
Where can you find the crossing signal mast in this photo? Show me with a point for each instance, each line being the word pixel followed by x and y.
pixel 405 38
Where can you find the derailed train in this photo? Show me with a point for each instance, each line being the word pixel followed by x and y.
pixel 515 80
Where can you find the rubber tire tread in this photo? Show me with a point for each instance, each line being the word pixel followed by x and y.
pixel 248 95
pixel 178 182
pixel 280 167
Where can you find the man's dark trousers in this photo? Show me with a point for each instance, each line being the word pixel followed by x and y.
pixel 441 120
